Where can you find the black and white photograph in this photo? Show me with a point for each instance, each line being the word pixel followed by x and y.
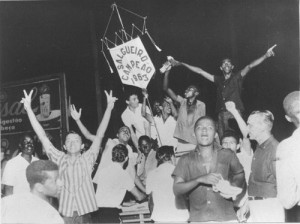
pixel 150 111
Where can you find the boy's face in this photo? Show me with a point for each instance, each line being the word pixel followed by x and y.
pixel 145 147
pixel 124 134
pixel 73 144
pixel 205 132
pixel 230 143
pixel 133 101
pixel 166 108
pixel 227 66
pixel 27 145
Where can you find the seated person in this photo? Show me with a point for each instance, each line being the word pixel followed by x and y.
pixel 113 183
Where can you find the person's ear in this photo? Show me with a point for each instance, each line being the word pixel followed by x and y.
pixel 127 102
pixel 65 148
pixel 196 93
pixel 82 146
pixel 288 118
pixel 221 68
pixel 39 187
pixel 160 107
pixel 232 67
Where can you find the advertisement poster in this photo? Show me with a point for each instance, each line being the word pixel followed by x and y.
pixel 48 103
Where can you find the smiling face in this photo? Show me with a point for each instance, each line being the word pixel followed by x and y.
pixel 145 146
pixel 156 108
pixel 124 134
pixel 205 131
pixel 226 66
pixel 27 146
pixel 230 143
pixel 73 144
pixel 166 108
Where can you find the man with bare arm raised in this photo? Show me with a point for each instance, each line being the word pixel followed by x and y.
pixel 77 197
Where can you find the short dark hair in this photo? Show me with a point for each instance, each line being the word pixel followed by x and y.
pixel 144 138
pixel 203 118
pixel 119 153
pixel 230 133
pixel 72 132
pixel 36 171
pixel 226 58
pixel 164 154
pixel 130 93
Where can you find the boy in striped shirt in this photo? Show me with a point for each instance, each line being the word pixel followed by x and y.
pixel 77 197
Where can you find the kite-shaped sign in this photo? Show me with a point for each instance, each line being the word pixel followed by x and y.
pixel 130 57
pixel 133 63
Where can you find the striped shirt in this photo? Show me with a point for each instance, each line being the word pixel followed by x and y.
pixel 77 193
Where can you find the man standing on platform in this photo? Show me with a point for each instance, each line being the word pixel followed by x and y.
pixel 229 86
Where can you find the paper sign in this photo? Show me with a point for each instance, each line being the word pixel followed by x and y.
pixel 133 63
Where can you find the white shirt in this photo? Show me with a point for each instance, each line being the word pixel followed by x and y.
pixel 28 208
pixel 106 159
pixel 288 170
pixel 15 174
pixel 160 184
pixel 166 131
pixel 135 119
pixel 112 186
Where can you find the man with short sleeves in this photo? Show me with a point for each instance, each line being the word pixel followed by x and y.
pixel 262 190
pixel 229 86
pixel 14 178
pixel 198 171
pixel 132 118
pixel 113 183
pixel 77 198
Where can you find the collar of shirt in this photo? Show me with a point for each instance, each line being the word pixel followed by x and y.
pixel 267 142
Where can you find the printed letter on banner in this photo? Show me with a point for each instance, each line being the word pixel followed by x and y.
pixel 133 63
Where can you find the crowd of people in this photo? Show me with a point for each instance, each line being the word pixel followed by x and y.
pixel 186 165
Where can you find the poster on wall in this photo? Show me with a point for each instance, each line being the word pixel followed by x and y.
pixel 49 104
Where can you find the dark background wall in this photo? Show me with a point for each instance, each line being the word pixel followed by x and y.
pixel 40 38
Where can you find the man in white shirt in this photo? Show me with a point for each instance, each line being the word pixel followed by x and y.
pixel 14 178
pixel 132 117
pixel 159 184
pixel 33 207
pixel 113 183
pixel 288 158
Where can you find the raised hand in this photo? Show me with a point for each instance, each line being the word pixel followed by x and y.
pixel 26 100
pixel 270 51
pixel 169 100
pixel 230 106
pixel 145 93
pixel 110 99
pixel 174 62
pixel 74 113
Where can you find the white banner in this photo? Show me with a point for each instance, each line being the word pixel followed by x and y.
pixel 133 63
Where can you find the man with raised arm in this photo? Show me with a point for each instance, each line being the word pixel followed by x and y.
pixel 190 110
pixel 77 197
pixel 229 85
pixel 201 173
pixel 288 159
pixel 123 137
